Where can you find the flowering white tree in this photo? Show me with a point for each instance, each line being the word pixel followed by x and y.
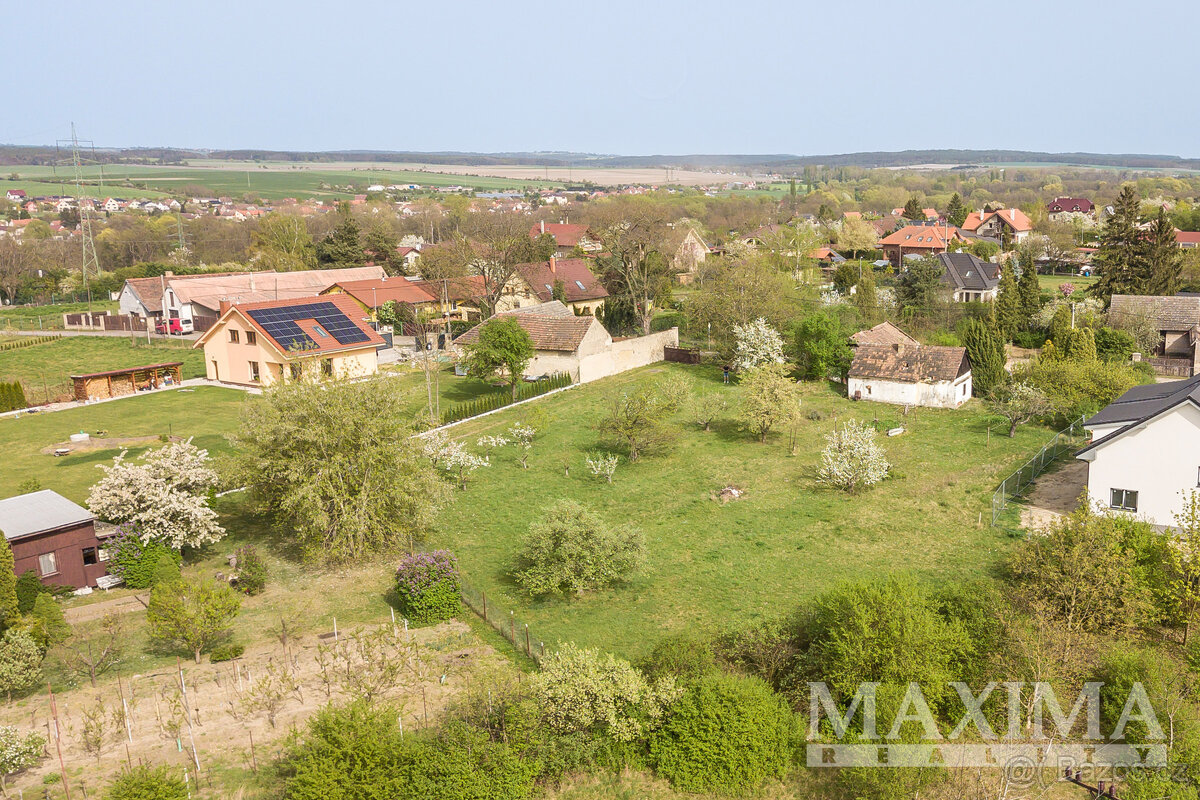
pixel 602 465
pixel 852 458
pixel 757 343
pixel 490 443
pixel 18 752
pixel 436 446
pixel 459 460
pixel 162 495
pixel 522 437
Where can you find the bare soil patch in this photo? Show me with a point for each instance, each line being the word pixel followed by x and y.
pixel 1055 494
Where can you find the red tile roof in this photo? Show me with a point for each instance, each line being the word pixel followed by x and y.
pixel 918 237
pixel 565 234
pixel 1070 204
pixel 1012 217
pixel 908 364
pixel 579 284
pixel 374 293
pixel 1187 237
pixel 555 333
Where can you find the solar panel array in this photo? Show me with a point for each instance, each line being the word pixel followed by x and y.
pixel 280 324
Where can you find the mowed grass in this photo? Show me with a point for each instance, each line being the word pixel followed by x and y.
pixel 206 413
pixel 47 367
pixel 47 317
pixel 712 566
pixel 1052 282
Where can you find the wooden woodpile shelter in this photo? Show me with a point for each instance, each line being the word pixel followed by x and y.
pixel 119 382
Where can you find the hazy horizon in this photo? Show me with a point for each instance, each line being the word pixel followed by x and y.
pixel 624 79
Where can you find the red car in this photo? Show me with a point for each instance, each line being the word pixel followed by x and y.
pixel 173 326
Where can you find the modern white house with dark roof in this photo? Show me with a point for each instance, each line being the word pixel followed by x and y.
pixel 1144 455
pixel 970 277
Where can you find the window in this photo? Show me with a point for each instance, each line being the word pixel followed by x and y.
pixel 582 288
pixel 320 330
pixel 1122 499
pixel 254 371
pixel 47 564
pixel 102 554
pixel 251 337
pixel 89 555
pixel 233 336
pixel 327 367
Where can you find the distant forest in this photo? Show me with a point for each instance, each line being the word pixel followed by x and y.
pixel 782 163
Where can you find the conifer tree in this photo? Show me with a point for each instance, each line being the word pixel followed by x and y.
pixel 985 349
pixel 913 210
pixel 1118 255
pixel 1163 260
pixel 1008 304
pixel 1029 291
pixel 9 608
pixel 956 211
pixel 1082 345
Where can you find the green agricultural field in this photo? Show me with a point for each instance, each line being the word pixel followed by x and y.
pixel 46 368
pixel 271 181
pixel 713 566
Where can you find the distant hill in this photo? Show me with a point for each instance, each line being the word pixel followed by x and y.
pixel 14 155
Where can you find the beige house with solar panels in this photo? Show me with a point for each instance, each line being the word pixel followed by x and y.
pixel 258 344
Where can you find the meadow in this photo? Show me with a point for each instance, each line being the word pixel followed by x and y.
pixel 45 369
pixel 713 566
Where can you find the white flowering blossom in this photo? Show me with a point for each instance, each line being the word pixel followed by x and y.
pixel 162 495
pixel 459 460
pixel 522 438
pixel 602 465
pixel 436 446
pixel 852 458
pixel 757 343
pixel 18 752
pixel 490 443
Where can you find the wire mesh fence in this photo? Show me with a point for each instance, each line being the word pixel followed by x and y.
pixel 504 621
pixel 1064 443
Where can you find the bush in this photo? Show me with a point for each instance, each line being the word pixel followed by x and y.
pixel 728 733
pixel 48 615
pixel 166 570
pixel 683 656
pixel 1114 345
pixel 144 782
pixel 12 396
pixel 29 586
pixel 252 570
pixel 1078 388
pixel 427 587
pixel 572 550
pixel 226 652
pixel 358 751
pixel 134 561
pixel 1031 340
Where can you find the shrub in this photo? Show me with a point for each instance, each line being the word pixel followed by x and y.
pixel 166 570
pixel 20 662
pixel 358 751
pixel 1113 344
pixel 49 617
pixel 134 561
pixel 252 570
pixel 1031 340
pixel 683 656
pixel 12 396
pixel 427 587
pixel 29 586
pixel 582 690
pixel 852 458
pixel 144 782
pixel 572 550
pixel 728 733
pixel 1078 388
pixel 18 752
pixel 226 652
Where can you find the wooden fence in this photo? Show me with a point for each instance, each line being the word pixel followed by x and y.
pixel 681 355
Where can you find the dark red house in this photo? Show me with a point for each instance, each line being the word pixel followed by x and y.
pixel 53 537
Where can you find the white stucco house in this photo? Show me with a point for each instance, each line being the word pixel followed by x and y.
pixel 578 344
pixel 1144 454
pixel 912 375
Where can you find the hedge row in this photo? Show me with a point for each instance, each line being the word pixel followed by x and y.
pixel 12 396
pixel 25 341
pixel 491 402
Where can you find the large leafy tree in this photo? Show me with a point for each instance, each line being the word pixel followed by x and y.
pixel 499 244
pixel 336 465
pixel 636 269
pixel 822 346
pixel 920 287
pixel 745 290
pixel 502 344
pixel 342 246
pixel 282 242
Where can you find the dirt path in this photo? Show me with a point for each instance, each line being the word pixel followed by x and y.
pixel 121 605
pixel 1054 494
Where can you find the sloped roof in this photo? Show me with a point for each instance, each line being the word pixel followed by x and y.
pixel 1012 217
pixel 577 279
pixel 908 364
pixel 298 310
pixel 1169 313
pixel 37 512
pixel 149 291
pixel 464 289
pixel 1070 204
pixel 374 293
pixel 930 237
pixel 549 331
pixel 967 271
pixel 565 234
pixel 253 287
pixel 1187 237
pixel 1140 404
pixel 884 333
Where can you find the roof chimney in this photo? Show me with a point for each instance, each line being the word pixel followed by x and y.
pixel 543 224
pixel 553 265
pixel 225 305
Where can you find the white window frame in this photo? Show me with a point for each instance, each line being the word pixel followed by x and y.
pixel 1118 500
pixel 42 564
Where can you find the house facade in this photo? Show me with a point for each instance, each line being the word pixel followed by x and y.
pixel 570 278
pixel 903 374
pixel 1005 224
pixel 259 344
pixel 1144 455
pixel 917 240
pixel 1065 209
pixel 54 538
pixel 970 278
pixel 1177 320
pixel 568 237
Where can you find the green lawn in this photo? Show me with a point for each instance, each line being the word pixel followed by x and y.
pixel 712 566
pixel 1052 282
pixel 46 368
pixel 48 317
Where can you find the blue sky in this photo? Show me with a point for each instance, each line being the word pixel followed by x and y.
pixel 609 77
